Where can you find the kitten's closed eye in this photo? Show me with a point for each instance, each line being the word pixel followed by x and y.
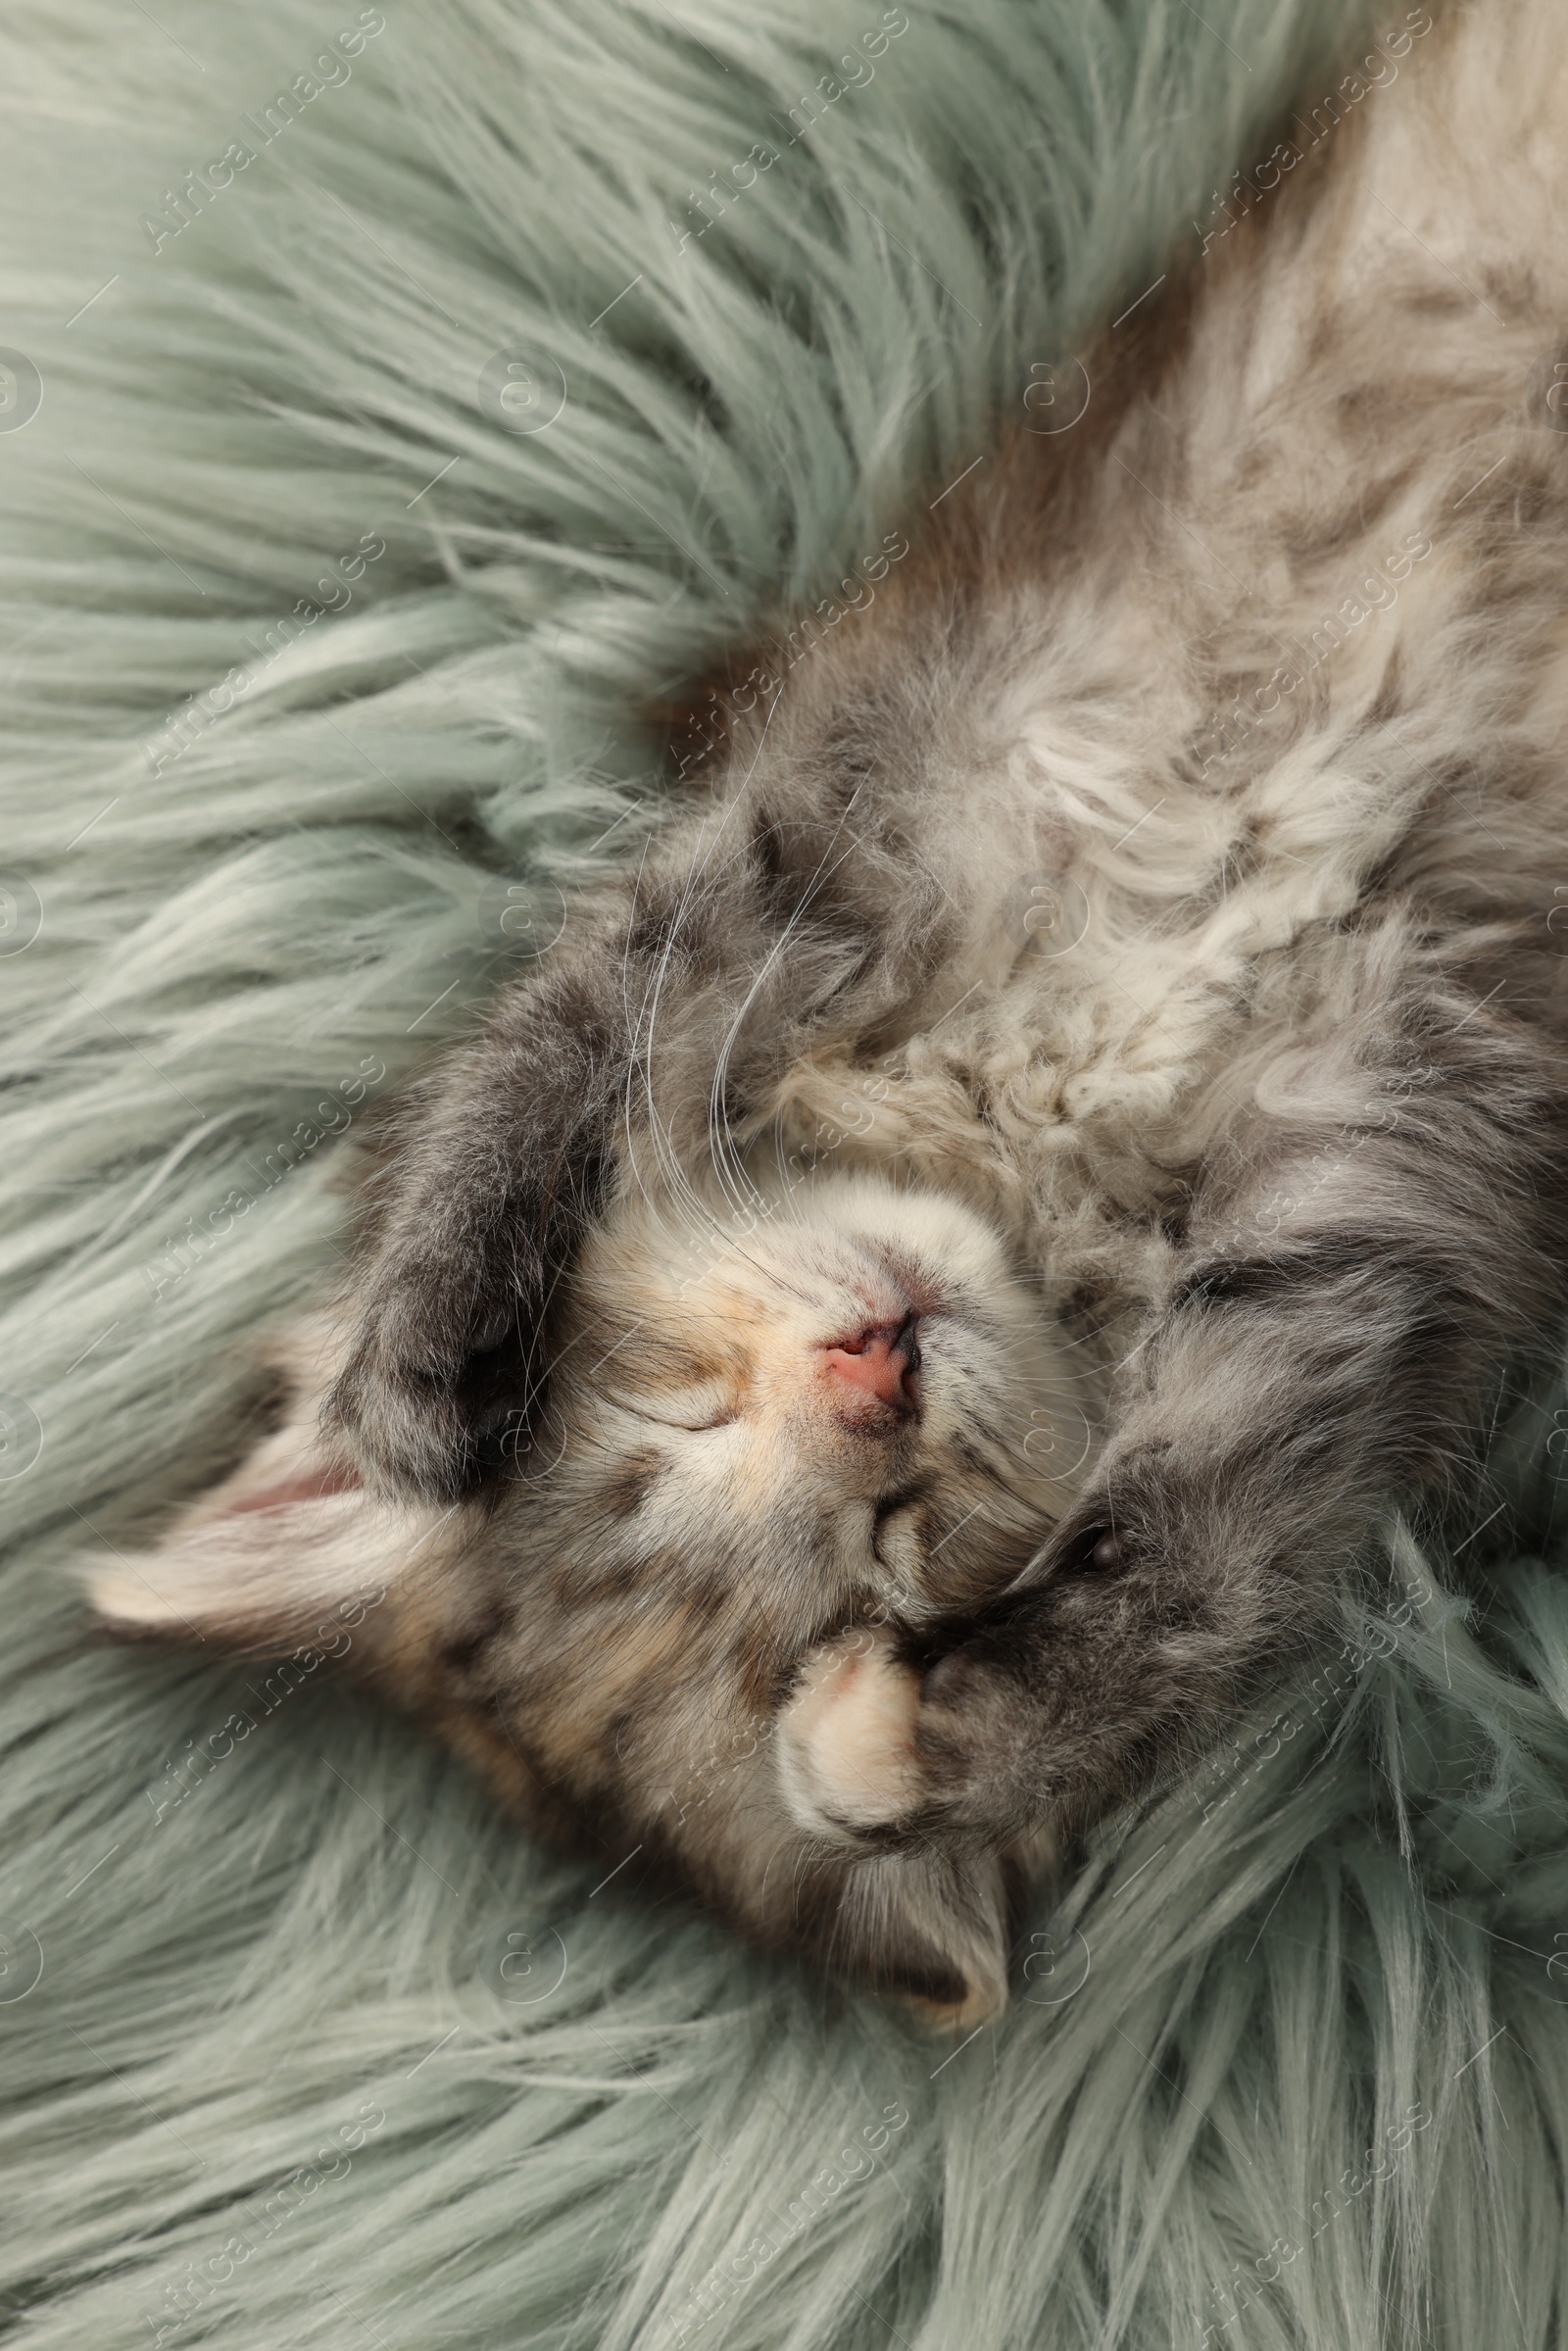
pixel 696 1415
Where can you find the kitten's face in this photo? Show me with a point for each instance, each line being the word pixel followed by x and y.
pixel 757 1435
pixel 819 1414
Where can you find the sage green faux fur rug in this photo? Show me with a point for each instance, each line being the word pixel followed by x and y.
pixel 391 399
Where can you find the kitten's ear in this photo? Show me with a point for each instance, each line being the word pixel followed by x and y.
pixel 290 1551
pixel 932 1924
pixel 934 1928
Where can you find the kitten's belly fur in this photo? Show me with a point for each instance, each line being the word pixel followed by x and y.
pixel 1295 656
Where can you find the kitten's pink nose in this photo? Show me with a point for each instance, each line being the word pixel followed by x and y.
pixel 879 1365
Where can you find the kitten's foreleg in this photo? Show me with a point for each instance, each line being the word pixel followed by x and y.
pixel 663 1015
pixel 500 1164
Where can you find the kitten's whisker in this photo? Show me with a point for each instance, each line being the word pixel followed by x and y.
pixel 718 1122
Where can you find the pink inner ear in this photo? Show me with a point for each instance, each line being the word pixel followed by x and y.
pixel 312 1488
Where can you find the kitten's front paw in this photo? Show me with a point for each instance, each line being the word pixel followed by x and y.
pixel 437 1388
pixel 394 1406
pixel 872 1752
pixel 847 1755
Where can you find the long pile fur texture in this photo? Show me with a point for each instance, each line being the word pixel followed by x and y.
pixel 302 2044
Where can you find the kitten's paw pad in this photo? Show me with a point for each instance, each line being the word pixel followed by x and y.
pixel 847 1755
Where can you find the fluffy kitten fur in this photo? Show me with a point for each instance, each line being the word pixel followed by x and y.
pixel 1110 986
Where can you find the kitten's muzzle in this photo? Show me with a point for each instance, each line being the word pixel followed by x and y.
pixel 874 1373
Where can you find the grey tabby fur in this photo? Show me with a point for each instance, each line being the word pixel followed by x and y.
pixel 897 1325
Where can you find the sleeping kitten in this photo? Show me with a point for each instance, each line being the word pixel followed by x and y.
pixel 897 1325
